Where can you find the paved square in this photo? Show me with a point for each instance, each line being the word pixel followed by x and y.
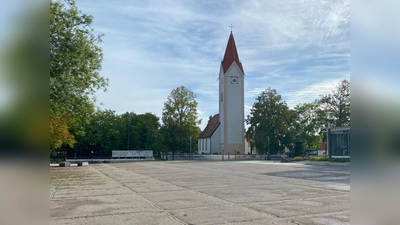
pixel 200 192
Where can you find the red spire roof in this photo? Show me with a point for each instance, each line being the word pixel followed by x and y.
pixel 231 55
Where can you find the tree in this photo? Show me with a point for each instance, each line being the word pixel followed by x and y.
pixel 59 133
pixel 180 120
pixel 144 132
pixel 108 131
pixel 269 122
pixel 298 149
pixel 337 105
pixel 75 62
pixel 308 125
pixel 104 132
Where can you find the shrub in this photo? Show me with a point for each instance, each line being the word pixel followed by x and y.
pixel 339 160
pixel 318 158
pixel 325 158
pixel 298 158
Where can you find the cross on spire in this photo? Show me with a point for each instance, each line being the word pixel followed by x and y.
pixel 231 27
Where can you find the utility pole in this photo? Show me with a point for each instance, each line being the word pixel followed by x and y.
pixel 129 124
pixel 269 150
pixel 328 140
pixel 190 147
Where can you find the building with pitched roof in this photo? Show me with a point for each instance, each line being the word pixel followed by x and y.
pixel 224 133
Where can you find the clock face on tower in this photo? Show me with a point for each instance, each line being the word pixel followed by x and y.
pixel 234 80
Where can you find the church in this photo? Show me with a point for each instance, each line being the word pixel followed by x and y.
pixel 224 133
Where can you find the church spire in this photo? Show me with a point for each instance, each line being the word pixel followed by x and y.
pixel 231 55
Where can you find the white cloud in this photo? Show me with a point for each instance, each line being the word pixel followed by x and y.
pixel 150 47
pixel 310 93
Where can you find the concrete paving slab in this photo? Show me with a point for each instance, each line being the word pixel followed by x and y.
pixel 99 205
pixel 303 207
pixel 91 187
pixel 272 192
pixel 155 188
pixel 333 218
pixel 145 182
pixel 129 218
pixel 195 192
pixel 182 199
pixel 218 215
pixel 72 193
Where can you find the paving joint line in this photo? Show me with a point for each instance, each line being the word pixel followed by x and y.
pixel 299 199
pixel 103 215
pixel 229 202
pixel 317 214
pixel 286 219
pixel 150 202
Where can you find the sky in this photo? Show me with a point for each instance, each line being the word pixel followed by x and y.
pixel 299 48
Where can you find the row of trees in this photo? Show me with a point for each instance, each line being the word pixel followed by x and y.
pixel 107 131
pixel 273 126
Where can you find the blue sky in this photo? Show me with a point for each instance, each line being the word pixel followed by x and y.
pixel 299 48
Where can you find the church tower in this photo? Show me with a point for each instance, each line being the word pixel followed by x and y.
pixel 231 101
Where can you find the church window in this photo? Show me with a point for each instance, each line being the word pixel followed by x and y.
pixel 206 143
pixel 222 97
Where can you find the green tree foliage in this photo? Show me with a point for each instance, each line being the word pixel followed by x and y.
pixel 104 133
pixel 308 125
pixel 180 121
pixel 337 105
pixel 108 131
pixel 144 133
pixel 298 149
pixel 75 62
pixel 270 118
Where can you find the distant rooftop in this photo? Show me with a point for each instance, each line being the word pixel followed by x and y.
pixel 212 125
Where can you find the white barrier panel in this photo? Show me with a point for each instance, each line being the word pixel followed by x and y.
pixel 147 153
pixel 132 153
pixel 212 157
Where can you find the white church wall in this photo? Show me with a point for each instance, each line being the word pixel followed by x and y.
pixel 221 108
pixel 204 145
pixel 199 146
pixel 208 146
pixel 215 140
pixel 246 147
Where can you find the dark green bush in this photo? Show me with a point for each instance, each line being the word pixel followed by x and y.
pixel 298 158
pixel 325 158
